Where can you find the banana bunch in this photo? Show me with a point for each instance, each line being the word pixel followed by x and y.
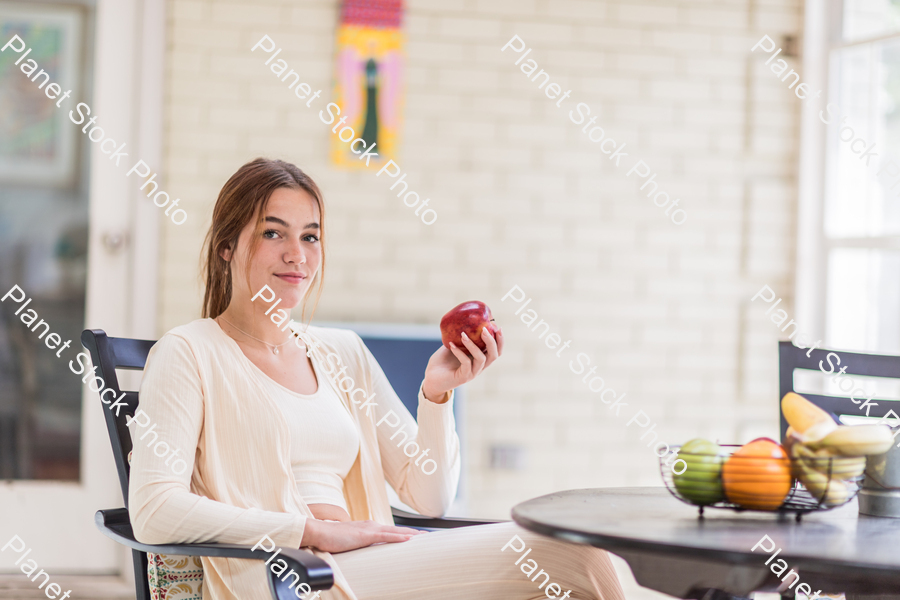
pixel 856 440
pixel 827 457
pixel 809 422
pixel 823 473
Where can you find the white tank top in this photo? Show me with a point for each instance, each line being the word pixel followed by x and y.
pixel 324 442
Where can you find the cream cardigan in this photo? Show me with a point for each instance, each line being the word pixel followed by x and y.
pixel 213 404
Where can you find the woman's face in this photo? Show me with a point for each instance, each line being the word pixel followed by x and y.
pixel 288 254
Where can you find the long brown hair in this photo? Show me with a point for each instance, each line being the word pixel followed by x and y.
pixel 248 189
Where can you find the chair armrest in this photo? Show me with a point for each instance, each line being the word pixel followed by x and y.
pixel 408 519
pixel 116 524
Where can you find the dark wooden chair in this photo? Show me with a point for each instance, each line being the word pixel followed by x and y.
pixel 791 357
pixel 109 354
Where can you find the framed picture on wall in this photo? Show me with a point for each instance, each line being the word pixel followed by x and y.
pixel 37 140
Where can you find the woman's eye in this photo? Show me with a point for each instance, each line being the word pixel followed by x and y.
pixel 311 238
pixel 270 234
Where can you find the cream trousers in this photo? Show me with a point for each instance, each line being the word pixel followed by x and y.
pixel 467 562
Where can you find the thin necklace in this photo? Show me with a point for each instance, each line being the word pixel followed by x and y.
pixel 273 346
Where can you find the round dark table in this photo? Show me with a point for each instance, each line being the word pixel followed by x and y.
pixel 670 549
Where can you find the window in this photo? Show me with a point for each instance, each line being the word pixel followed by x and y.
pixel 861 193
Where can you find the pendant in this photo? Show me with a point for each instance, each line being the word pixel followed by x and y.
pixel 275 350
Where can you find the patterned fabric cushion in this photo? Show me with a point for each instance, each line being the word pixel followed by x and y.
pixel 174 577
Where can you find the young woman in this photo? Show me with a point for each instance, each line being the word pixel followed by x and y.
pixel 290 431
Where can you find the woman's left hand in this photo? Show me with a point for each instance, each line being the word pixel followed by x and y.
pixel 449 369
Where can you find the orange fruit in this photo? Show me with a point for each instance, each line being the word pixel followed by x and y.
pixel 758 475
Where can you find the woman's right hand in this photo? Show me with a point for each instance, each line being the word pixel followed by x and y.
pixel 344 536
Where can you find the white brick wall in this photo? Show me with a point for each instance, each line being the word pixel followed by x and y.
pixel 524 198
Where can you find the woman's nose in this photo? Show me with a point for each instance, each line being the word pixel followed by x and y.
pixel 295 253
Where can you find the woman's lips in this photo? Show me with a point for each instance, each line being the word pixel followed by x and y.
pixel 291 277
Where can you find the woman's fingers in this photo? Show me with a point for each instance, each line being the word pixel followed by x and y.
pixel 478 357
pixel 465 363
pixel 493 351
pixel 477 360
pixel 394 534
pixel 342 536
pixel 403 530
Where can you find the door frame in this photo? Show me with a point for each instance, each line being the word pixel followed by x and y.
pixel 809 282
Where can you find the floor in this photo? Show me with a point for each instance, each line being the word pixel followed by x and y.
pixel 17 587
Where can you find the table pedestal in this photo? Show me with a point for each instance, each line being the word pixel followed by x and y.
pixel 687 577
pixel 693 578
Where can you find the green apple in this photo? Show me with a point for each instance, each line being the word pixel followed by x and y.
pixel 701 481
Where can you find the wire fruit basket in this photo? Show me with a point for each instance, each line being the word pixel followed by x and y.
pixel 784 485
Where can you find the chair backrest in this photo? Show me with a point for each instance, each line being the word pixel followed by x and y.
pixel 791 357
pixel 402 351
pixel 109 354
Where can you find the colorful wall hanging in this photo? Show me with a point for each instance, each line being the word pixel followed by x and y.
pixel 369 78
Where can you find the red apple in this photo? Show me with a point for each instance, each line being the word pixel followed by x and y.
pixel 469 318
pixel 768 439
